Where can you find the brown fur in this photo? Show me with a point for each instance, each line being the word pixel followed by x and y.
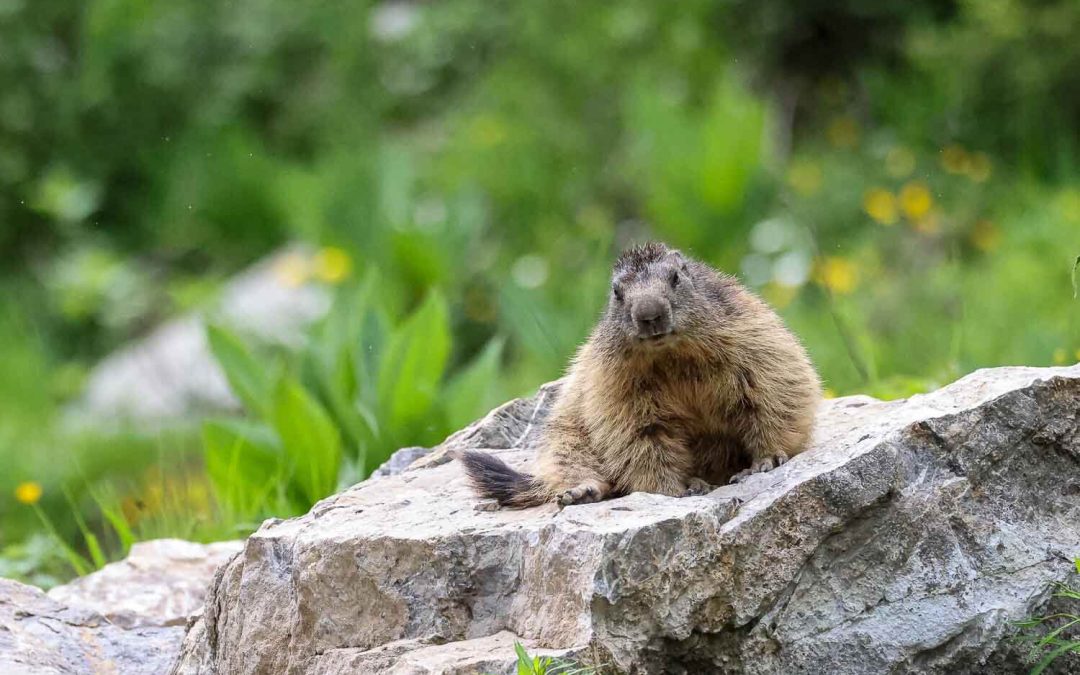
pixel 729 392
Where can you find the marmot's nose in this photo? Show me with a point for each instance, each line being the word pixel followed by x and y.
pixel 652 317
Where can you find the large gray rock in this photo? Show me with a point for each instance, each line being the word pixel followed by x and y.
pixel 907 540
pixel 128 617
pixel 41 636
pixel 171 372
pixel 160 583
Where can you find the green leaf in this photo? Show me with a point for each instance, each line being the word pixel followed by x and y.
pixel 366 353
pixel 311 441
pixel 332 363
pixel 412 366
pixel 78 563
pixel 1052 635
pixel 249 379
pixel 341 331
pixel 119 524
pixel 1076 290
pixel 355 421
pixel 245 464
pixel 97 557
pixel 524 662
pixel 468 394
pixel 1077 563
pixel 1053 655
pixel 94 547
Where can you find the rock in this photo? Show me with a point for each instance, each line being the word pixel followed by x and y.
pixel 40 635
pixel 399 461
pixel 161 583
pixel 512 425
pixel 907 540
pixel 489 655
pixel 171 373
pixel 127 617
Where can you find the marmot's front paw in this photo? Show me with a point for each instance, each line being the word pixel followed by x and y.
pixel 586 493
pixel 696 487
pixel 761 466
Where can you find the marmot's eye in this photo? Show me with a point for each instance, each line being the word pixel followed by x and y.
pixel 617 292
pixel 675 278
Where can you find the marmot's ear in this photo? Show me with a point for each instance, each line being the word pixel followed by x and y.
pixel 676 257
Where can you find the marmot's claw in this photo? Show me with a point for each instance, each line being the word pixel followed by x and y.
pixel 696 487
pixel 761 466
pixel 582 494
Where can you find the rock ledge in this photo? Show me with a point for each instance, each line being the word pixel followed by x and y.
pixel 906 540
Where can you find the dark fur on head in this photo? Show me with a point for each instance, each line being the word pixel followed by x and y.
pixel 653 301
pixel 637 258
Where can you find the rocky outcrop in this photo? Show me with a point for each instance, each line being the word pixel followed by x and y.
pixel 907 540
pixel 39 635
pixel 128 617
pixel 161 583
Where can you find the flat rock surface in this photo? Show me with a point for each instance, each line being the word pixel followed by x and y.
pixel 128 617
pixel 906 540
pixel 161 583
pixel 41 636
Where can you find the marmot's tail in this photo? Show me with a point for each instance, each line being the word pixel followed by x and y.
pixel 493 478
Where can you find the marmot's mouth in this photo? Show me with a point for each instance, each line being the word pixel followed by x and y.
pixel 656 339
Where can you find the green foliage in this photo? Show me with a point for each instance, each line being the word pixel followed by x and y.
pixel 247 466
pixel 412 366
pixel 248 379
pixel 545 665
pixel 309 438
pixel 360 388
pixel 1062 638
pixel 899 180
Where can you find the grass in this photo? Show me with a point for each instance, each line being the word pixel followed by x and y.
pixel 546 665
pixel 1063 637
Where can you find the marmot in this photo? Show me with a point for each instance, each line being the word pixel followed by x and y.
pixel 689 380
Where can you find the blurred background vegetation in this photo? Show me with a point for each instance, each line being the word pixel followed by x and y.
pixel 901 179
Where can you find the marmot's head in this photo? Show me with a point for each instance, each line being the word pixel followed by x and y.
pixel 652 300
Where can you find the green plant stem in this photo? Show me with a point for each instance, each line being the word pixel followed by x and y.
pixel 77 562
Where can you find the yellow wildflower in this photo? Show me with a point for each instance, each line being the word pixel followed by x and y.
pixel 900 162
pixel 332 265
pixel 979 167
pixel 837 274
pixel 1077 355
pixel 828 392
pixel 292 270
pixel 805 177
pixel 955 159
pixel 880 204
pixel 28 492
pixel 985 236
pixel 1060 356
pixel 915 200
pixel 843 132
